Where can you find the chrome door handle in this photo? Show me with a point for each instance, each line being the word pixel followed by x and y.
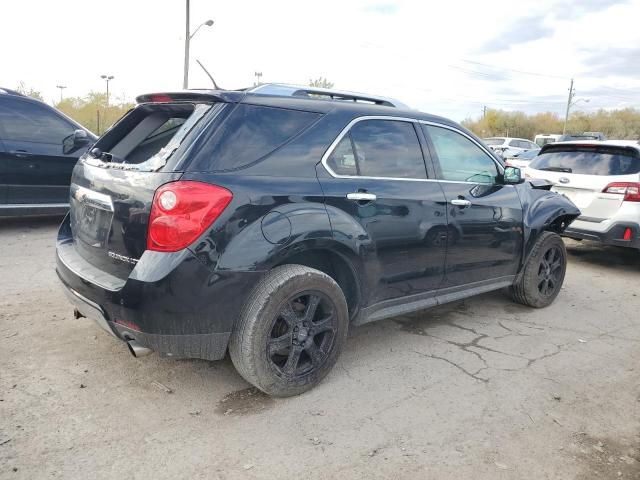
pixel 362 197
pixel 461 203
pixel 21 153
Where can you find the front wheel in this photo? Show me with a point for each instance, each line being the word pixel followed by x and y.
pixel 543 274
pixel 291 331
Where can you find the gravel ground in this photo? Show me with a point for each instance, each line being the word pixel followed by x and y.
pixel 482 389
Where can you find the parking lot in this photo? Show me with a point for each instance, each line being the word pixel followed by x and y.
pixel 482 388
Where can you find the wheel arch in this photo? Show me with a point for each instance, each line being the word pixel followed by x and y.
pixel 332 261
pixel 543 211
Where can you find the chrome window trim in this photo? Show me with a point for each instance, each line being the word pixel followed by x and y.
pixel 346 129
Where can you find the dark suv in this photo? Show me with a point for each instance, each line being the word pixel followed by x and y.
pixel 39 147
pixel 270 224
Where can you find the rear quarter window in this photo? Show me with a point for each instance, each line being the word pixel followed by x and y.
pixel 249 134
pixel 589 161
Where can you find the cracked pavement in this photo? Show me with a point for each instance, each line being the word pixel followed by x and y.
pixel 483 389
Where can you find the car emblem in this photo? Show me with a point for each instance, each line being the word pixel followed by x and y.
pixel 564 180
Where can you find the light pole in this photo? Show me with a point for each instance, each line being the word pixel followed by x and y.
pixel 187 40
pixel 61 87
pixel 107 78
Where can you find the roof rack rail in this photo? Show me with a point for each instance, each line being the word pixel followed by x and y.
pixel 8 91
pixel 286 90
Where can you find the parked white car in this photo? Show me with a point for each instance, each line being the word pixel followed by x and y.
pixel 603 180
pixel 521 159
pixel 543 138
pixel 507 146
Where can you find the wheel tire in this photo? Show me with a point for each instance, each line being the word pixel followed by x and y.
pixel 528 290
pixel 271 305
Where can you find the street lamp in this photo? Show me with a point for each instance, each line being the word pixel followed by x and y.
pixel 61 87
pixel 107 78
pixel 187 41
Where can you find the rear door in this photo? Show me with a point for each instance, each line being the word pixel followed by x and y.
pixel 37 170
pixel 380 198
pixel 583 172
pixel 484 216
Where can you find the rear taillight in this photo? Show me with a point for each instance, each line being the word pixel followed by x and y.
pixel 630 190
pixel 182 211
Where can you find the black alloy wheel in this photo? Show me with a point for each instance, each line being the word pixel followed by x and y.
pixel 550 271
pixel 302 334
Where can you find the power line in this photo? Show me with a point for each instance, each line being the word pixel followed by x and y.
pixel 536 74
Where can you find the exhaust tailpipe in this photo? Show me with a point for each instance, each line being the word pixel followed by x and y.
pixel 138 350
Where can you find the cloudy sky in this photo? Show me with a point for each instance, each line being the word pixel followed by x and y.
pixel 448 58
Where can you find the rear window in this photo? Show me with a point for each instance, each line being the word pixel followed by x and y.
pixel 250 133
pixel 589 161
pixel 493 141
pixel 146 137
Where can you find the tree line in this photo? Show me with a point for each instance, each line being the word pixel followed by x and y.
pixel 91 111
pixel 618 124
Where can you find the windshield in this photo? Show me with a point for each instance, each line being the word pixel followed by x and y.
pixel 528 155
pixel 494 141
pixel 589 161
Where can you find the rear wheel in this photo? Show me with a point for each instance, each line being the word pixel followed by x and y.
pixel 291 331
pixel 543 275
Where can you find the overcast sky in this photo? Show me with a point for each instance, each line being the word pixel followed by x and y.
pixel 448 58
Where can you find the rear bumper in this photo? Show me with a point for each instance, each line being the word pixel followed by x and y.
pixel 170 303
pixel 612 236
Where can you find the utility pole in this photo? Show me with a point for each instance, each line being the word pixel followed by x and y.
pixel 61 87
pixel 569 100
pixel 258 76
pixel 187 39
pixel 484 112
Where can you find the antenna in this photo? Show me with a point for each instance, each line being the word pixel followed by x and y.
pixel 215 85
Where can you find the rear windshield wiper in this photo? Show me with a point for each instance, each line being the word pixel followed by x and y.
pixel 557 169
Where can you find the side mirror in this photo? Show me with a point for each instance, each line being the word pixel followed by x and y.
pixel 512 176
pixel 77 139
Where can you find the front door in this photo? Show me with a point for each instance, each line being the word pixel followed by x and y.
pixel 380 201
pixel 37 170
pixel 484 215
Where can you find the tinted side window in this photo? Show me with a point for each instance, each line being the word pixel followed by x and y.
pixel 250 133
pixel 343 161
pixel 460 159
pixel 387 148
pixel 24 121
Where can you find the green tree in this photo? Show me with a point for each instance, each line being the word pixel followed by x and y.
pixel 29 92
pixel 92 111
pixel 618 124
pixel 321 82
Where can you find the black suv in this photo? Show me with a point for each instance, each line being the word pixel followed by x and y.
pixel 270 224
pixel 39 147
